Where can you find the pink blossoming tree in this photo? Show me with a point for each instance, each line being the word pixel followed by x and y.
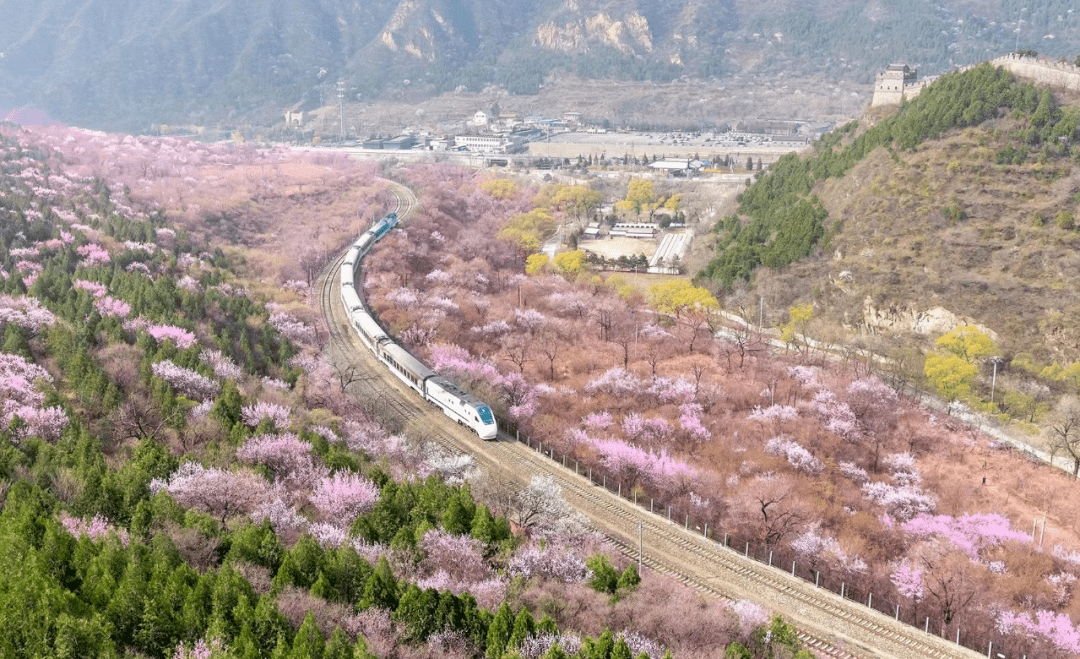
pixel 342 497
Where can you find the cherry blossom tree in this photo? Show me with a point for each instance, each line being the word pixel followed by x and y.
pixel 342 497
pixel 692 426
pixel 254 414
pixel 1055 628
pixel 776 415
pixel 672 390
pixel 598 420
pixel 949 579
pixel 904 501
pixel 616 382
pixel 539 504
pixel 96 528
pixel 224 368
pixel 48 423
pixel 287 456
pixel 215 491
pixel 837 415
pixel 549 562
pixel 108 306
pixel 971 534
pixel 294 330
pixel 814 547
pixel 185 381
pixel 908 581
pixel 797 456
pixel 26 312
pixel 875 408
pixel 201 649
pixel 283 516
pixel 93 255
pixel 770 506
pixel 179 336
pixel 459 556
pixel 95 289
pixel 625 461
pixel 22 399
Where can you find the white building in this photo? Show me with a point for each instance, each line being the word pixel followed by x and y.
pixel 481 142
pixel 672 164
pixel 634 230
pixel 480 118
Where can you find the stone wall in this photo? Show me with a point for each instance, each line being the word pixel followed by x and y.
pixel 1054 74
pixel 1050 73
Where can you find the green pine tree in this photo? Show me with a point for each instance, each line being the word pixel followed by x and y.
pixel 282 649
pixel 483 525
pixel 736 650
pixel 499 631
pixel 322 588
pixel 309 642
pixel 605 579
pixel 450 613
pixel 270 627
pixel 245 646
pixel 524 627
pixel 228 406
pixel 547 625
pixel 555 652
pixel 600 647
pixel 621 650
pixel 629 579
pixel 381 589
pixel 339 646
pixel 361 649
pixel 455 520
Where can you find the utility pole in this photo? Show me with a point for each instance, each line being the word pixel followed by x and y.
pixel 993 382
pixel 341 107
pixel 639 547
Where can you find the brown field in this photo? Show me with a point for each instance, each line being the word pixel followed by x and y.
pixel 613 248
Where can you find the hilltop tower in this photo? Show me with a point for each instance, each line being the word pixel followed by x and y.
pixel 896 83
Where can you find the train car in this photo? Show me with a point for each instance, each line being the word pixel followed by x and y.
pixel 407 368
pixel 363 245
pixel 455 403
pixel 351 300
pixel 461 407
pixel 384 225
pixel 370 332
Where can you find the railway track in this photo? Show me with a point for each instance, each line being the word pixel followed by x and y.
pixel 830 625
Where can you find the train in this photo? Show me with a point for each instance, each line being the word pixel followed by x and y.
pixel 462 407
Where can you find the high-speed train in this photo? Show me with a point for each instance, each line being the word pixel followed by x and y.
pixel 460 406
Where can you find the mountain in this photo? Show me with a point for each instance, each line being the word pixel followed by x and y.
pixel 128 64
pixel 959 207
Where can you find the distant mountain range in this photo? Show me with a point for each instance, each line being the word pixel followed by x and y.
pixel 127 64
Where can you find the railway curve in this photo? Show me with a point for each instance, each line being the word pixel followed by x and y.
pixel 827 623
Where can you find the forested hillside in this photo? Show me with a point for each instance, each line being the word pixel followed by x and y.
pixel 958 208
pixel 183 475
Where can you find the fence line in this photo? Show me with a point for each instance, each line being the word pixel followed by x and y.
pixel 908 612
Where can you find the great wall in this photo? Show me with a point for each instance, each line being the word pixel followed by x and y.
pixel 898 82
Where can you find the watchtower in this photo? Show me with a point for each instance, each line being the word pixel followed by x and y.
pixel 894 84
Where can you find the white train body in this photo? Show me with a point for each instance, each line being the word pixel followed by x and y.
pixel 460 406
